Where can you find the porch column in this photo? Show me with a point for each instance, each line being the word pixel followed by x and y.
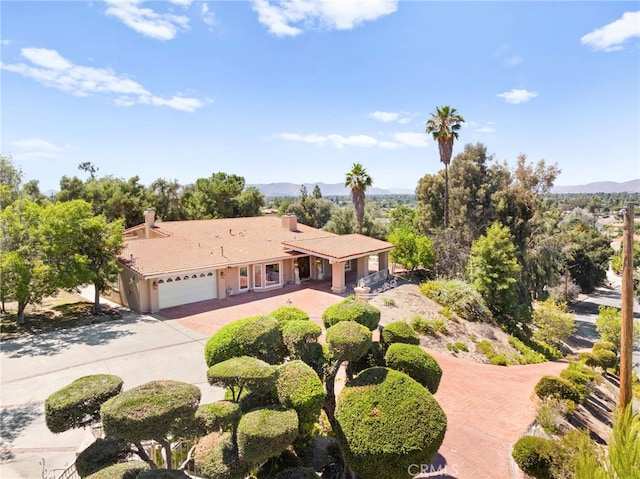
pixel 362 267
pixel 383 261
pixel 337 278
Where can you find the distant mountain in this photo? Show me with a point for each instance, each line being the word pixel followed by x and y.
pixel 632 186
pixel 335 189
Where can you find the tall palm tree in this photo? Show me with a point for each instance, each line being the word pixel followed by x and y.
pixel 358 180
pixel 443 126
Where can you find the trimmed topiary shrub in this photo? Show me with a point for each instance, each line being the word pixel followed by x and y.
pixel 605 359
pixel 286 314
pixel 559 388
pixel 534 455
pixel 416 362
pixel 297 473
pixel 603 345
pixel 461 297
pixel 256 336
pixel 217 416
pixel 399 332
pixel 579 380
pixel 215 456
pixel 78 404
pixel 163 474
pixel 243 372
pixel 265 433
pixel 102 453
pixel 348 340
pixel 389 422
pixel 352 309
pixel 123 470
pixel 150 411
pixel 300 338
pixel 300 388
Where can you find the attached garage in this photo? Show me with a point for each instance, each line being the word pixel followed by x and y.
pixel 175 291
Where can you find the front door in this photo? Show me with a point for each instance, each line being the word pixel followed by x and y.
pixel 304 267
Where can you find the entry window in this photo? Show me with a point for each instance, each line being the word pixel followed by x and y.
pixel 244 278
pixel 272 274
pixel 257 276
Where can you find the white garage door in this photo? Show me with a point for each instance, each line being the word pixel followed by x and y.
pixel 187 291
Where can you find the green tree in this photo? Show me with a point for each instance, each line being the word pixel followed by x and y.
pixel 554 323
pixel 166 198
pixel 250 201
pixel 443 126
pixel 317 194
pixel 412 250
pixel 430 195
pixel 358 180
pixel 342 222
pixel 10 179
pixel 494 271
pixel 609 326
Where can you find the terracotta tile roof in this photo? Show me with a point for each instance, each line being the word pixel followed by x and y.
pixel 202 244
pixel 341 247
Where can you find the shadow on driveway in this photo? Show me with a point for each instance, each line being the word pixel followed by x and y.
pixel 12 422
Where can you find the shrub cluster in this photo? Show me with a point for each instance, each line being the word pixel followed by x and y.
pixel 399 332
pixel 430 327
pixel 123 470
pixel 529 356
pixel 265 433
pixel 416 363
pixel 554 386
pixel 461 297
pixel 352 309
pixel 457 347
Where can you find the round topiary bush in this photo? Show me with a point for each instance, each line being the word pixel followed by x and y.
pixel 352 309
pixel 605 359
pixel 78 404
pixel 348 340
pixel 243 372
pixel 150 411
pixel 256 336
pixel 123 470
pixel 300 338
pixel 579 380
pixel 534 455
pixel 603 345
pixel 300 388
pixel 416 362
pixel 556 387
pixel 288 313
pixel 216 456
pixel 297 473
pixel 102 453
pixel 265 433
pixel 217 416
pixel 399 332
pixel 389 422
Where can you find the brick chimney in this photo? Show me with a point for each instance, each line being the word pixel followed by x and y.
pixel 290 222
pixel 149 222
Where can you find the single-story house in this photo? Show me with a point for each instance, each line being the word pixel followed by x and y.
pixel 170 263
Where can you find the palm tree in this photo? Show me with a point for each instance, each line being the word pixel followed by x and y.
pixel 444 125
pixel 358 180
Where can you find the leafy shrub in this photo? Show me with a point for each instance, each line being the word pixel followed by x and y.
pixel 399 332
pixel 461 297
pixel 553 321
pixel 286 314
pixel 102 453
pixel 150 410
pixel 499 360
pixel 485 347
pixel 389 301
pixel 242 372
pixel 416 363
pixel 163 474
pixel 256 336
pixel 352 309
pixel 389 422
pixel 606 345
pixel 551 411
pixel 265 433
pixel 348 340
pixel 216 456
pixel 606 359
pixel 457 347
pixel 430 327
pixel 297 473
pixel 529 356
pixel 300 388
pixel 554 386
pixel 300 338
pixel 534 455
pixel 123 470
pixel 217 416
pixel 78 404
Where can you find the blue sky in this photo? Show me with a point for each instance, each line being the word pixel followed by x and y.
pixel 298 90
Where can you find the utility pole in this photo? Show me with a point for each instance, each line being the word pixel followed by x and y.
pixel 626 337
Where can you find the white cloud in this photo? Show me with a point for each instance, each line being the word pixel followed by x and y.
pixel 207 16
pixel 384 116
pixel 36 144
pixel 363 141
pixel 280 18
pixel 161 26
pixel 488 127
pixel 516 96
pixel 418 140
pixel 51 69
pixel 611 37
pixel 513 60
pixel 183 3
pixel 5 42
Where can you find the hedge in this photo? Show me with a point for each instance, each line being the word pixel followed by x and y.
pixel 150 411
pixel 534 455
pixel 300 338
pixel 243 372
pixel 256 336
pixel 215 456
pixel 297 473
pixel 78 404
pixel 557 387
pixel 285 314
pixel 217 416
pixel 399 332
pixel 416 362
pixel 389 422
pixel 348 340
pixel 352 309
pixel 265 433
pixel 102 453
pixel 300 388
pixel 123 470
pixel 461 297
